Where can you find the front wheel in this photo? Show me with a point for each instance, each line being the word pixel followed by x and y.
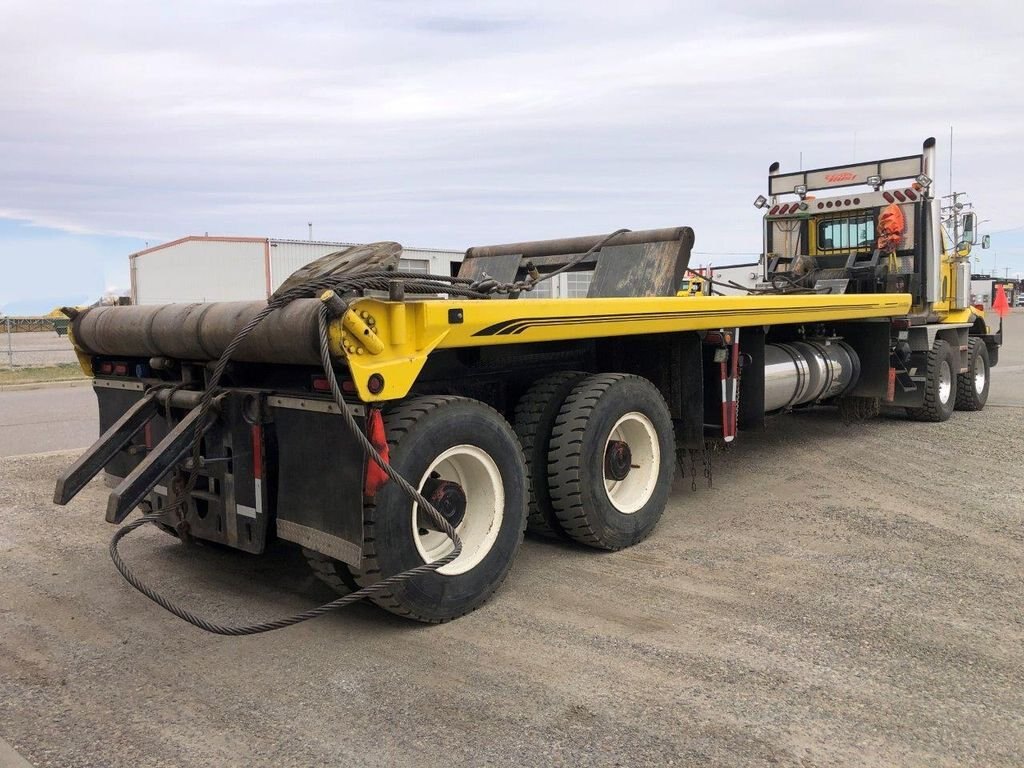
pixel 464 458
pixel 940 384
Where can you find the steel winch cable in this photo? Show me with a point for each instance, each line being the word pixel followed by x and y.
pixel 490 285
pixel 361 282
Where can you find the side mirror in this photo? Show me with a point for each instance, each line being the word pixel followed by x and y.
pixel 986 241
pixel 963 249
pixel 970 222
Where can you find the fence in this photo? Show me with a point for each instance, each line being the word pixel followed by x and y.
pixel 34 342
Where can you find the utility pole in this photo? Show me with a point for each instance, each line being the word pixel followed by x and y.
pixel 310 225
pixel 951 158
pixel 956 210
pixel 10 350
pixel 953 213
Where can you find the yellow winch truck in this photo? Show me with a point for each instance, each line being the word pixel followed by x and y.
pixel 404 429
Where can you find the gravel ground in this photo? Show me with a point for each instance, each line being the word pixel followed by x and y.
pixel 37 348
pixel 873 617
pixel 841 595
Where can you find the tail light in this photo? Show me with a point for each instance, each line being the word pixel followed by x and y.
pixel 321 384
pixel 900 196
pixel 888 197
pixel 105 369
pixel 121 369
pixel 911 194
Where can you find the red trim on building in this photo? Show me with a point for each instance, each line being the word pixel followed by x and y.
pixel 266 265
pixel 202 239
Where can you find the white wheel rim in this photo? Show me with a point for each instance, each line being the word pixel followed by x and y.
pixel 945 381
pixel 631 493
pixel 473 469
pixel 979 375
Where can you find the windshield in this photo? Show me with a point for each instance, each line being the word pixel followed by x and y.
pixel 846 233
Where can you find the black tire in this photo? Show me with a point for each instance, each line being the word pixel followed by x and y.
pixel 534 417
pixel 334 573
pixel 420 430
pixel 968 397
pixel 942 363
pixel 578 454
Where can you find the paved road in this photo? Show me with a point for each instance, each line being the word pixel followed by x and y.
pixel 50 419
pixel 1008 376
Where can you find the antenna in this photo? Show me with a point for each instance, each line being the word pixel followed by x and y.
pixel 951 158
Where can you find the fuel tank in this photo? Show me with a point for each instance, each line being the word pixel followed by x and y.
pixel 807 371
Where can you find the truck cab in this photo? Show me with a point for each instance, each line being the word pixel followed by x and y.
pixel 871 227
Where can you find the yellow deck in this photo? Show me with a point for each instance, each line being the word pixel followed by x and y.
pixel 394 339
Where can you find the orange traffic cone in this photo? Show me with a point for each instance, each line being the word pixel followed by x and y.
pixel 1000 304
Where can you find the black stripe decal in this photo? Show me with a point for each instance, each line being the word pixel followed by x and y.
pixel 518 325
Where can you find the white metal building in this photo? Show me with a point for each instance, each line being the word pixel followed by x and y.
pixel 207 268
pixel 745 275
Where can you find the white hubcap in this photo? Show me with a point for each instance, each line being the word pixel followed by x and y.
pixel 945 382
pixel 477 474
pixel 629 494
pixel 979 375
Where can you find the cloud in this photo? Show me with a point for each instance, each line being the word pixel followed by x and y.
pixel 456 123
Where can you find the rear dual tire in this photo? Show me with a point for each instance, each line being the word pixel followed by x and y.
pixel 460 442
pixel 601 455
pixel 611 460
pixel 534 418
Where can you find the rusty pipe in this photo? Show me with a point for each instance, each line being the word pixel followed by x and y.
pixel 201 331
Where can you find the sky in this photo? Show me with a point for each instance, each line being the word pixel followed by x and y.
pixel 452 123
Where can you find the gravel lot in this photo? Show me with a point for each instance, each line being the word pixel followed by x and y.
pixel 37 348
pixel 841 595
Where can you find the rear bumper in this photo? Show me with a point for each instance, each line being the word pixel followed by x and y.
pixel 272 464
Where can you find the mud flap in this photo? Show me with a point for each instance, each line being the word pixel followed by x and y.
pixel 320 471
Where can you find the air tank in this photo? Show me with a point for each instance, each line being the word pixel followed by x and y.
pixel 802 372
